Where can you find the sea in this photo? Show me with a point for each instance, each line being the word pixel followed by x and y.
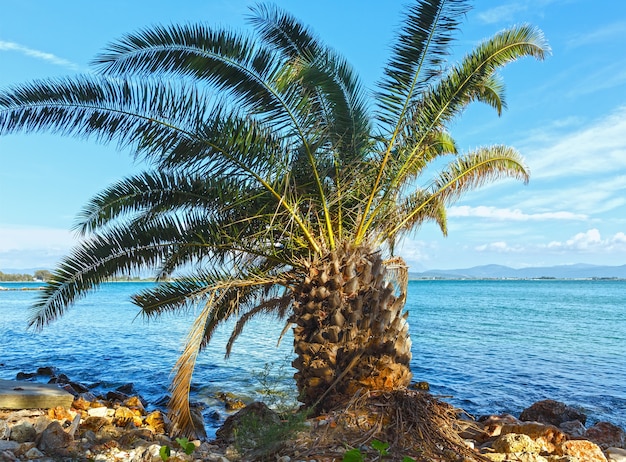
pixel 485 346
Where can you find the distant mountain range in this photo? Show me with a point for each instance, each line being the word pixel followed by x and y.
pixel 578 271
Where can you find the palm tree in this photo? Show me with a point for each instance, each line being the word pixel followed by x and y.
pixel 273 186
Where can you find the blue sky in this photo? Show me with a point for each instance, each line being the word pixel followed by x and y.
pixel 567 116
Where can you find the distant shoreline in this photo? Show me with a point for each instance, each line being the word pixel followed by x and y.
pixel 434 278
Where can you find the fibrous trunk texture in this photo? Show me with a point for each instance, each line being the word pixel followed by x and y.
pixel 350 332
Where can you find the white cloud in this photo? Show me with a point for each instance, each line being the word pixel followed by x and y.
pixel 33 247
pixel 415 252
pixel 591 241
pixel 511 215
pixel 499 247
pixel 48 57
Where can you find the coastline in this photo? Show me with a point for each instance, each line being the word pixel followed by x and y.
pixel 121 426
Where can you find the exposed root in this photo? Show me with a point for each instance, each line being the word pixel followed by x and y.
pixel 415 424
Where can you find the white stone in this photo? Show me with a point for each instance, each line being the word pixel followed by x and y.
pixel 616 455
pixel 97 411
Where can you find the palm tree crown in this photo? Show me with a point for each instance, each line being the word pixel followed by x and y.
pixel 266 157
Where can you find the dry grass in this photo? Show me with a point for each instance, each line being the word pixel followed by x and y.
pixel 414 423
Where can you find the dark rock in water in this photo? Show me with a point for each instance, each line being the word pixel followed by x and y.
pixel 70 389
pixel 79 387
pixel 60 379
pixel 421 386
pixel 606 435
pixel 127 389
pixel 116 396
pixel 214 415
pixel 256 412
pixel 25 375
pixel 231 402
pixel 47 370
pixel 551 412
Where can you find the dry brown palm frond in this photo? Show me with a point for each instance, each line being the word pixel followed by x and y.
pixel 179 410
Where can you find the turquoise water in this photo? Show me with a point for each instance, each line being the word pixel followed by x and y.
pixel 488 346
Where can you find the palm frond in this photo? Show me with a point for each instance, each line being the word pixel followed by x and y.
pixel 223 299
pixel 179 411
pixel 418 56
pixel 144 116
pixel 341 101
pixel 474 78
pixel 121 250
pixel 150 192
pixel 468 172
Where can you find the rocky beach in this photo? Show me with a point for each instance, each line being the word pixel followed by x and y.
pixel 121 426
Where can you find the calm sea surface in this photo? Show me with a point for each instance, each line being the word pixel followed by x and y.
pixel 488 346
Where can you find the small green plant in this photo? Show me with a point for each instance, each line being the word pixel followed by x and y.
pixel 272 379
pixel 265 435
pixel 187 446
pixel 380 447
pixel 165 452
pixel 355 455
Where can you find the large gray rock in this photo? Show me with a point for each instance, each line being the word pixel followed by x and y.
pixel 552 413
pixel 54 438
pixel 23 432
pixel 8 445
pixel 256 414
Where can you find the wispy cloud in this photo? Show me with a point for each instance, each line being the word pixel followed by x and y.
pixel 511 215
pixel 608 32
pixel 501 13
pixel 48 57
pixel 598 148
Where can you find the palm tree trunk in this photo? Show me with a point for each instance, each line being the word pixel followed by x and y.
pixel 350 331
